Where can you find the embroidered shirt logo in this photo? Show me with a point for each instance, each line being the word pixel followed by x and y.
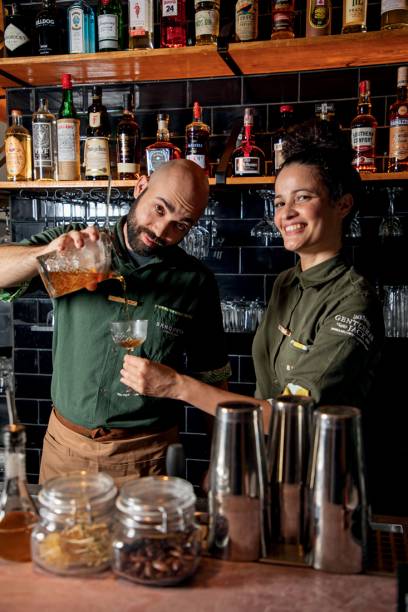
pixel 169 329
pixel 357 326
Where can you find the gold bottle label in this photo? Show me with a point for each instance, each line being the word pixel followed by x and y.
pixel 399 135
pixel 246 20
pixel 15 156
pixel 319 14
pixel 354 12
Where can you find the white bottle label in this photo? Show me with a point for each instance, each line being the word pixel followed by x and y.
pixel 399 137
pixel 94 119
pixel 76 31
pixel 362 139
pixel 97 156
pixel 198 159
pixel 140 17
pixel 278 151
pixel 108 31
pixel 14 37
pixel 67 138
pixel 169 8
pixel 246 19
pixel 354 12
pixel 207 23
pixel 247 165
pixel 42 145
pixel 130 168
pixel 393 5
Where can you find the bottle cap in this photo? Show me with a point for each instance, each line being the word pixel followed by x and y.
pixel 15 112
pixel 96 91
pixel 324 108
pixel 196 110
pixel 364 87
pixel 402 76
pixel 286 108
pixel 66 81
pixel 162 117
pixel 249 116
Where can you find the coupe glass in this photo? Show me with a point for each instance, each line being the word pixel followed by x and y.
pixel 129 335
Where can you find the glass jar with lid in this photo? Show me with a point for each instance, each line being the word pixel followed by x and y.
pixel 74 534
pixel 156 540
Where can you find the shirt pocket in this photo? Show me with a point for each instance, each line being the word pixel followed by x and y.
pixel 167 333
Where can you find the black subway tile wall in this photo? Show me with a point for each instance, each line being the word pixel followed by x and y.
pixel 243 265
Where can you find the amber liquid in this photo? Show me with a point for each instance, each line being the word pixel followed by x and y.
pixel 61 283
pixel 15 534
pixel 131 343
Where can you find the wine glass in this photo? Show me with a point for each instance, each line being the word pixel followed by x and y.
pixel 129 335
pixel 391 226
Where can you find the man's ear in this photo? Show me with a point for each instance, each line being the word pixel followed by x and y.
pixel 141 185
pixel 345 204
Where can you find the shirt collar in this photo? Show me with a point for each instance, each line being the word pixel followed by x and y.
pixel 321 273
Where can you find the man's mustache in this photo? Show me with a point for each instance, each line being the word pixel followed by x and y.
pixel 159 241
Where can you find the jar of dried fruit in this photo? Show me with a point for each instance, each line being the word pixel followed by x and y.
pixel 74 534
pixel 156 540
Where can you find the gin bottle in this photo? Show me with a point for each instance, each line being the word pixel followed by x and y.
pixel 81 27
pixel 44 143
pixel 17 144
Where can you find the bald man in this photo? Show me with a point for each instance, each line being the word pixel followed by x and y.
pixel 91 427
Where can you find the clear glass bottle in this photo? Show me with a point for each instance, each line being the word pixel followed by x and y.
pixel 283 17
pixel 394 14
pixel 173 23
pixel 198 139
pixel 18 513
pixel 74 533
pixel 47 30
pixel 44 125
pixel 398 116
pixel 162 150
pixel 69 160
pixel 248 159
pixel 96 154
pixel 81 27
pixel 318 18
pixel 110 25
pixel 325 114
pixel 207 21
pixel 354 16
pixel 363 132
pixel 17 144
pixel 128 143
pixel 17 34
pixel 246 20
pixel 140 29
pixel 278 137
pixel 156 540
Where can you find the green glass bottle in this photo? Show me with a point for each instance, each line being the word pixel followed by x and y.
pixel 69 161
pixel 110 25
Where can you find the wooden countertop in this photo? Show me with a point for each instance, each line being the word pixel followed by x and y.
pixel 218 586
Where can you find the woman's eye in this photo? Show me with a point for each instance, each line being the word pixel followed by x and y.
pixel 279 204
pixel 302 197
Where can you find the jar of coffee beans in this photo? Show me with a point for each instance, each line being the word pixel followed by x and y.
pixel 156 540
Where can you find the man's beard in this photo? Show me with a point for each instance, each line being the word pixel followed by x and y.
pixel 134 236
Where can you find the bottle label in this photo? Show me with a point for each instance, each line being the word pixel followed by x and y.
pixel 198 159
pixel 67 138
pixel 140 18
pixel 399 138
pixel 247 165
pixel 363 138
pixel 76 31
pixel 14 37
pixel 354 12
pixel 282 21
pixel 126 146
pixel 319 15
pixel 215 3
pixel 94 120
pixel 278 151
pixel 207 23
pixel 97 156
pixel 108 31
pixel 128 168
pixel 246 20
pixel 42 148
pixel 15 156
pixel 169 8
pixel 393 5
pixel 156 158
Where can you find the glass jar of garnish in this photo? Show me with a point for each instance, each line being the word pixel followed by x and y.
pixel 156 540
pixel 74 534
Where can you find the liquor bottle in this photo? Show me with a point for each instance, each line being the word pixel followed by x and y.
pixel 207 21
pixel 246 20
pixel 69 168
pixel 248 159
pixel 162 150
pixel 197 139
pixel 354 16
pixel 283 16
pixel 128 143
pixel 96 154
pixel 17 144
pixel 140 24
pixel 398 114
pixel 44 143
pixel 326 116
pixel 173 23
pixel 47 30
pixel 17 36
pixel 18 513
pixel 363 132
pixel 278 137
pixel 394 14
pixel 110 25
pixel 318 18
pixel 81 27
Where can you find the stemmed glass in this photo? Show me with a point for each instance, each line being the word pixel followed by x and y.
pixel 129 335
pixel 6 237
pixel 266 230
pixel 391 226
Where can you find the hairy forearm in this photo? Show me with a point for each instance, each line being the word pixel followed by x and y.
pixel 18 263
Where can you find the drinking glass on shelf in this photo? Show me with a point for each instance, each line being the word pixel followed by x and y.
pixel 354 230
pixel 395 309
pixel 129 335
pixel 265 230
pixel 391 226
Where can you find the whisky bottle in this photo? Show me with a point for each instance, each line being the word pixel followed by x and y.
pixel 318 18
pixel 279 136
pixel 398 115
pixel 354 16
pixel 162 150
pixel 140 24
pixel 128 143
pixel 81 27
pixel 363 132
pixel 173 23
pixel 207 21
pixel 283 16
pixel 44 143
pixel 47 30
pixel 325 115
pixel 197 139
pixel 110 25
pixel 96 153
pixel 246 20
pixel 17 144
pixel 69 168
pixel 17 35
pixel 394 14
pixel 248 159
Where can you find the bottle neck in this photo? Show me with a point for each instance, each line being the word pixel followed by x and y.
pixel 96 101
pixel 163 132
pixel 364 105
pixel 402 93
pixel 16 120
pixel 67 107
pixel 14 457
pixel 247 132
pixel 286 120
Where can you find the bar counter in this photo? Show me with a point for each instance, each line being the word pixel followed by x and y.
pixel 218 586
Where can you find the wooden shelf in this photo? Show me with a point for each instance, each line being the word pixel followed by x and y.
pixel 270 56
